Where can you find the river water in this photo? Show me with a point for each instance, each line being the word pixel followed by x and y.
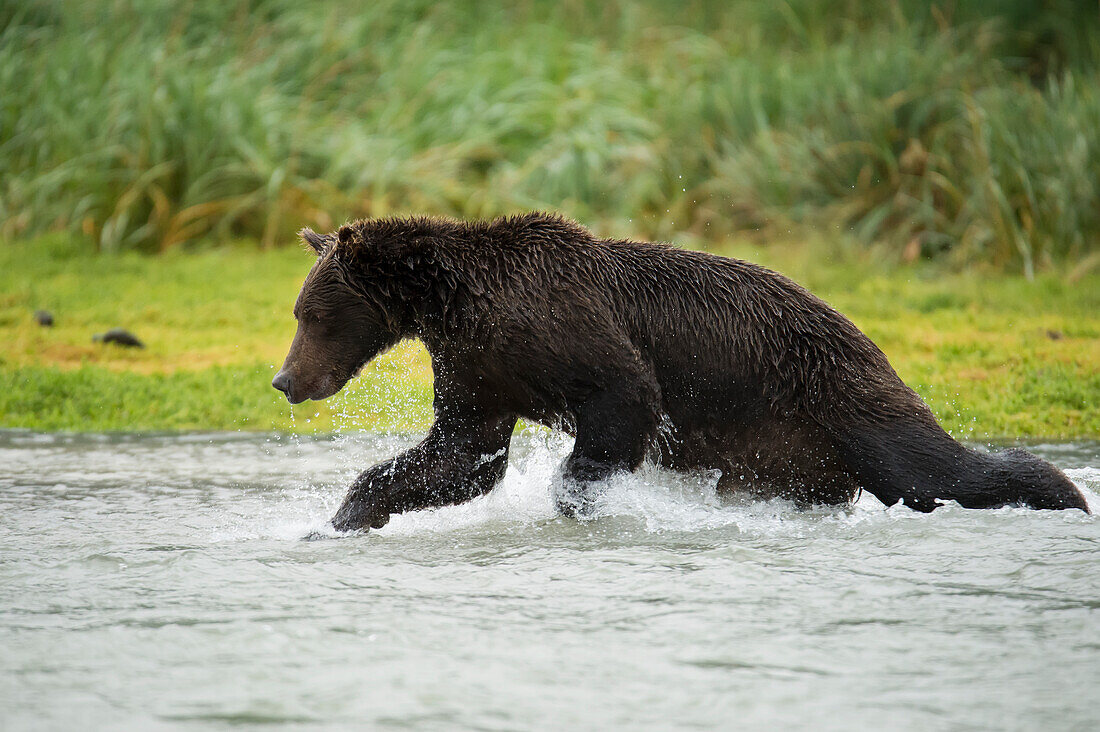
pixel 152 582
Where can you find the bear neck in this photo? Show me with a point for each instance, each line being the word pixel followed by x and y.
pixel 420 299
pixel 429 276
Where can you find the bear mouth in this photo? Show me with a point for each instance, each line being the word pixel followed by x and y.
pixel 356 371
pixel 333 383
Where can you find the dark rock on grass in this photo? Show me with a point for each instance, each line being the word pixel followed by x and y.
pixel 43 318
pixel 120 337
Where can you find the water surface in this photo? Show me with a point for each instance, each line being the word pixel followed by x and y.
pixel 161 582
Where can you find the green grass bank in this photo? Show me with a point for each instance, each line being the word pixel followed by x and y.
pixel 995 357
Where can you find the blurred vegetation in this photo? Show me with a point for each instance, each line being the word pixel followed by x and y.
pixel 963 131
pixel 993 357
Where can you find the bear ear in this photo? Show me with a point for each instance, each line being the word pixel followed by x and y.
pixel 316 241
pixel 344 234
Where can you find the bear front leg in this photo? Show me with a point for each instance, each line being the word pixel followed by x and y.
pixel 462 457
pixel 614 430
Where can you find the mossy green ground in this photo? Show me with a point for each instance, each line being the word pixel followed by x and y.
pixel 995 356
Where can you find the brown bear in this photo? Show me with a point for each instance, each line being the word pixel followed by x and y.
pixel 639 351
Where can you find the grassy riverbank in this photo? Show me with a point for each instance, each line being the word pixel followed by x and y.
pixel 995 356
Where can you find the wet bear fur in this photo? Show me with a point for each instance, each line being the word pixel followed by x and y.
pixel 639 350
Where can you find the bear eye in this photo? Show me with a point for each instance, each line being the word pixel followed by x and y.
pixel 309 316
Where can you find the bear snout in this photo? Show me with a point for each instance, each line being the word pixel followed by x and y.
pixel 284 382
pixel 300 387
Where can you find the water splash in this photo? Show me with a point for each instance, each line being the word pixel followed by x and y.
pixel 657 500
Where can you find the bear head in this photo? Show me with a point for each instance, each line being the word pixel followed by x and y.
pixel 341 324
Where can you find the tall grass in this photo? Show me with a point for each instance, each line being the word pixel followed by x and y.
pixel 971 135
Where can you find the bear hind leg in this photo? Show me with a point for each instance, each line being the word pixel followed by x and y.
pixel 613 432
pixel 916 462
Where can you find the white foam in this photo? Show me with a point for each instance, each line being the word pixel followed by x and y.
pixel 660 501
pixel 655 499
pixel 652 499
pixel 1088 481
pixel 525 495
